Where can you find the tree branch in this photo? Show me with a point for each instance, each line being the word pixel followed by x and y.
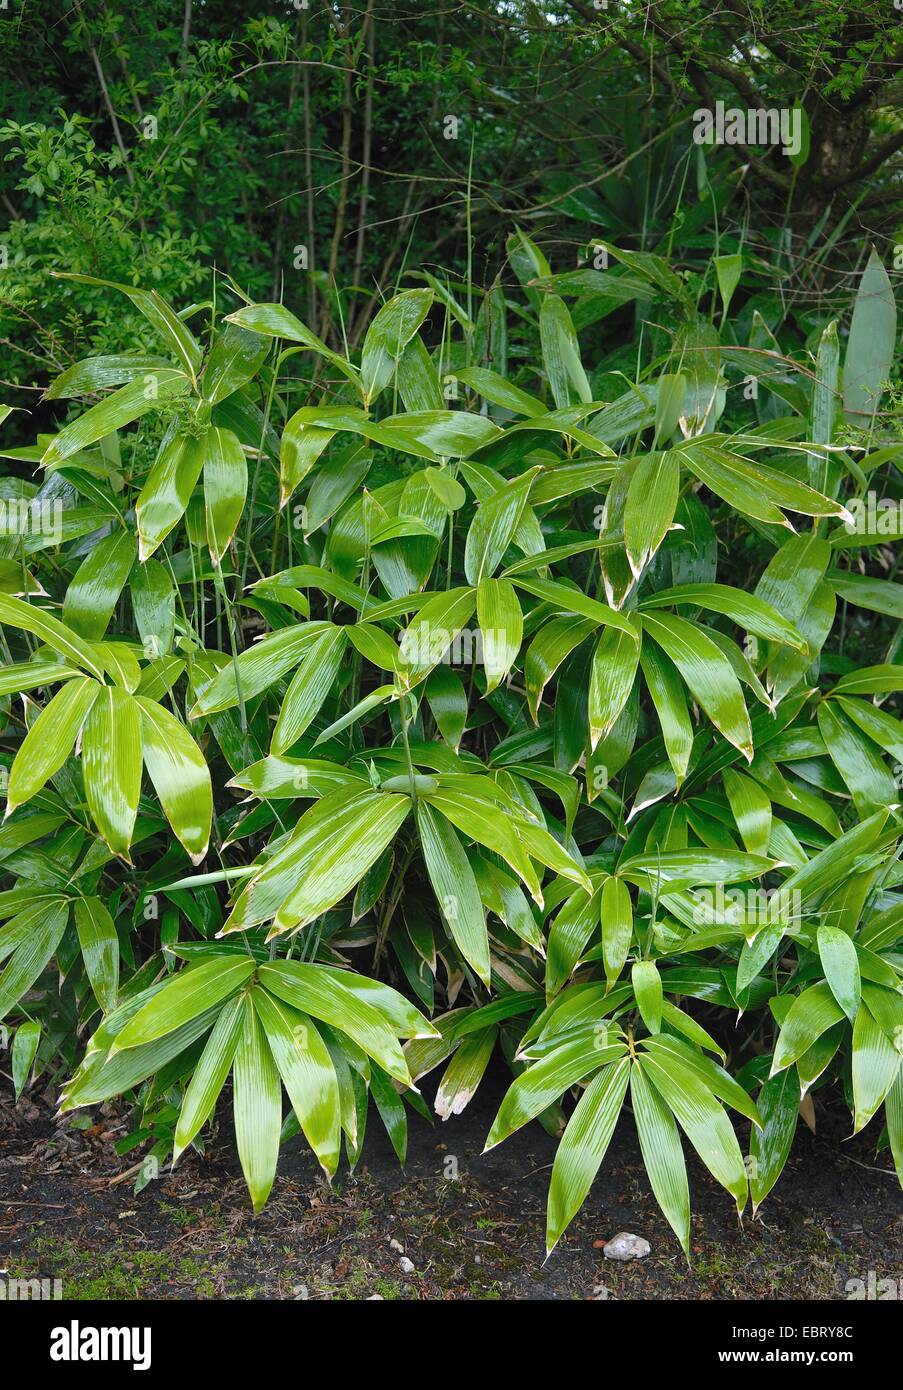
pixel 879 155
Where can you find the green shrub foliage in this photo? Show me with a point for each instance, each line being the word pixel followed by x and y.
pixel 371 714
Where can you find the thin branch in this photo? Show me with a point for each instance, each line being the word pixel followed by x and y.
pixel 101 78
pixel 880 154
pixel 367 145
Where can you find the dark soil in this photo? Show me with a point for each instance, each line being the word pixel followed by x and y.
pixel 472 1225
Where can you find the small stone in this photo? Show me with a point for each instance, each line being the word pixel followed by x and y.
pixel 625 1246
pixel 376 1298
pixel 396 1245
pixel 600 1293
pixel 406 1266
pixel 300 1292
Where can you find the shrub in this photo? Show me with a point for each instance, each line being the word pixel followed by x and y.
pixel 529 679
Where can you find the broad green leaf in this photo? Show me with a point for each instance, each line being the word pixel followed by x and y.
pixel 400 1015
pixel 210 1074
pixel 670 701
pixel 342 861
pixel 191 992
pixel 27 675
pixel 870 346
pixel 275 321
pixel 455 887
pixel 857 760
pixel 180 776
pixel 497 389
pixel 419 388
pixel 374 644
pixel 307 1072
pixel 177 336
pixel 99 941
pixel 319 993
pixel 561 353
pixel 552 645
pixel 273 880
pixel 30 958
pixel 464 1072
pixel 25 1047
pixel 876 595
pixel 583 1146
pixel 17 613
pixel 50 740
pixel 728 270
pixel 97 373
pixel 747 610
pixel 94 592
pixel 810 1015
pixel 309 688
pixel 876 1065
pixel 235 358
pixel 753 489
pixel 389 1104
pixel 391 330
pixel 380 696
pixel 225 487
pixel 426 640
pixel 112 748
pixel 612 674
pixel 617 927
pixel 769 1147
pixel 841 966
pixel 493 526
pixel 148 392
pixel 568 600
pixel 834 863
pixel 647 987
pixel 703 1121
pixel 751 809
pixel 154 605
pixel 662 1153
pixel 300 447
pixel 448 703
pixel 544 1081
pixel 432 434
pixel 168 489
pixel 882 728
pixel 570 933
pixel 257 667
pixel 694 866
pixel 713 1076
pixel 501 626
pixel 871 680
pixel 29 908
pixel 104 1074
pixel 257 1107
pixel 708 674
pixel 651 504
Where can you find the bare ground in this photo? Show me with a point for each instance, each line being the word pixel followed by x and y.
pixel 472 1225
